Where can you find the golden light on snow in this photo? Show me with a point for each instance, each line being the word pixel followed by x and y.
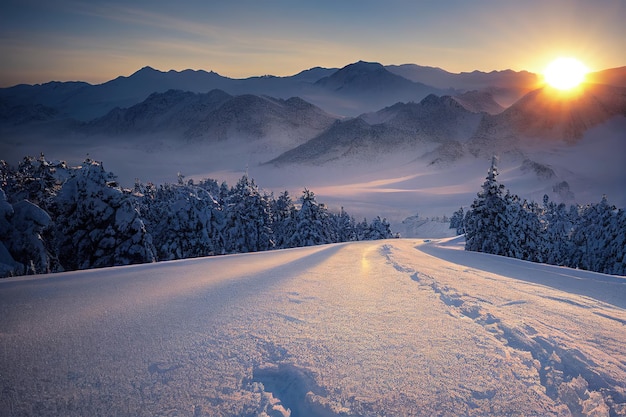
pixel 565 73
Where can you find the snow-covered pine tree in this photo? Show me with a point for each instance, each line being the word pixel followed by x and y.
pixel 249 222
pixel 33 184
pixel 557 246
pixel 283 219
pixel 379 229
pixel 523 229
pixel 8 265
pixel 96 223
pixel 211 186
pixel 183 219
pixel 456 221
pixel 345 226
pixel 35 180
pixel 486 220
pixel 361 230
pixel 594 238
pixel 618 243
pixel 26 244
pixel 312 223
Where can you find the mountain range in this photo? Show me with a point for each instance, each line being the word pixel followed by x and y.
pixel 215 116
pixel 408 126
pixel 348 91
pixel 365 115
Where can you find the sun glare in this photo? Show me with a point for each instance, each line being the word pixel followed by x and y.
pixel 565 73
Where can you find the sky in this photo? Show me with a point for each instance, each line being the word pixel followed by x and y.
pixel 98 40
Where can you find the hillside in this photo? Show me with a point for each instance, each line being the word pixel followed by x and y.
pixel 215 116
pixel 397 327
pixel 414 128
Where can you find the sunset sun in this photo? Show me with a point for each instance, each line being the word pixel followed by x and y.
pixel 565 73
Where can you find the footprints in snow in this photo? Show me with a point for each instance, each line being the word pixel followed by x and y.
pixel 462 305
pixel 286 390
pixel 567 375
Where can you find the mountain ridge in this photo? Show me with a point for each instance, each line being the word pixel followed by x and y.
pixel 85 102
pixel 550 116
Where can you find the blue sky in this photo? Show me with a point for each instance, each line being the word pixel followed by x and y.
pixel 98 40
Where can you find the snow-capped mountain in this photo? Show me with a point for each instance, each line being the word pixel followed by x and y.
pixel 97 100
pixel 51 94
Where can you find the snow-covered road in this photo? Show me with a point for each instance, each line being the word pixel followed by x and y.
pixel 397 327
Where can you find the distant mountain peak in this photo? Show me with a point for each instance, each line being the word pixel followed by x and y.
pixel 365 65
pixel 146 70
pixel 430 99
pixel 364 76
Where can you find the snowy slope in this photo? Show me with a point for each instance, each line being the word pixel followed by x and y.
pixel 397 327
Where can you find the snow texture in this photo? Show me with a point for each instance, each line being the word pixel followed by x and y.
pixel 398 327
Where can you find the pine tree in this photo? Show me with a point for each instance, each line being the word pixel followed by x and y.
pixel 379 229
pixel 617 249
pixel 486 221
pixel 523 229
pixel 361 230
pixel 96 223
pixel 557 246
pixel 312 223
pixel 283 220
pixel 456 221
pixel 594 238
pixel 249 224
pixel 8 265
pixel 345 226
pixel 26 243
pixel 183 220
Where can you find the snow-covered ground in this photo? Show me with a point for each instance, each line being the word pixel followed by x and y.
pixel 399 327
